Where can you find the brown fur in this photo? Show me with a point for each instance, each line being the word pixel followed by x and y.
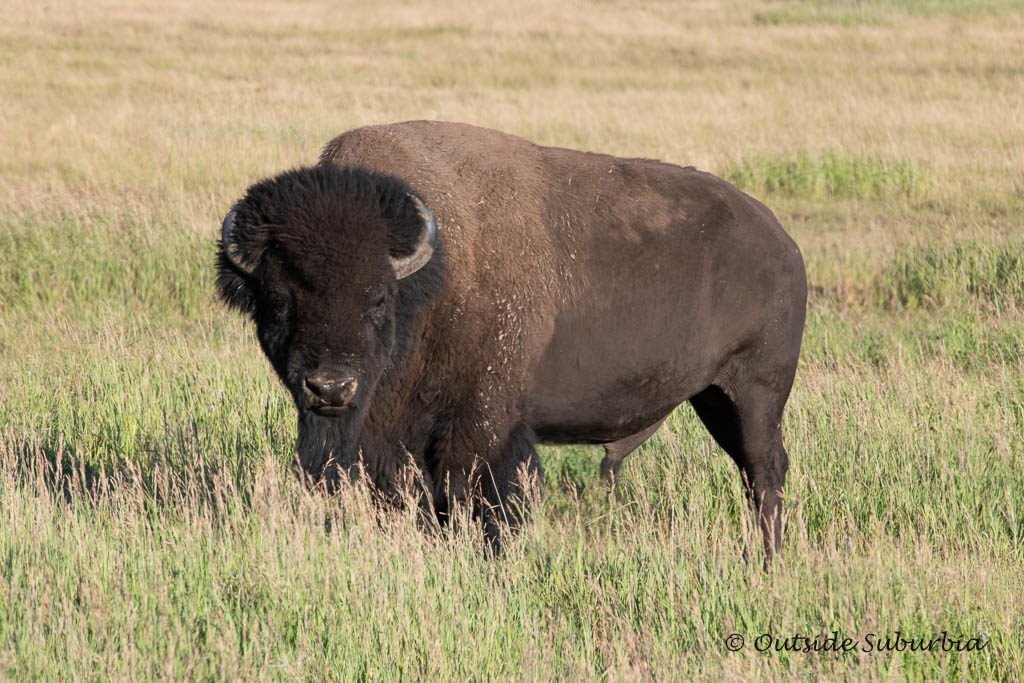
pixel 584 297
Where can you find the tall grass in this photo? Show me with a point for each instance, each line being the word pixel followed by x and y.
pixel 150 526
pixel 242 573
pixel 932 276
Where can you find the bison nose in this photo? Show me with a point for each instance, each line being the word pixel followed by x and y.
pixel 336 392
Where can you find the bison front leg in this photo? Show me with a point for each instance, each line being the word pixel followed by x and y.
pixel 508 484
pixel 494 483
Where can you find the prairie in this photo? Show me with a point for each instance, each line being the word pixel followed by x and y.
pixel 150 526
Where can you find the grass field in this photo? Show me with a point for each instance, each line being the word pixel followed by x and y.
pixel 149 525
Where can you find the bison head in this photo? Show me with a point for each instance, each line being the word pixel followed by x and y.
pixel 332 264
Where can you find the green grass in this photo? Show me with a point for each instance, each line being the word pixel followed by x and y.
pixel 238 568
pixel 151 528
pixel 58 260
pixel 804 15
pixel 831 175
pixel 925 8
pixel 848 13
pixel 175 502
pixel 933 277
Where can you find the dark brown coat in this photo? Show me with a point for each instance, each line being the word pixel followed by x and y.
pixel 573 298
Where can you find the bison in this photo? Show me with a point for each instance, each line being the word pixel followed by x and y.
pixel 448 296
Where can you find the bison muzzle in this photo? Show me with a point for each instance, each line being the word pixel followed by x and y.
pixel 445 296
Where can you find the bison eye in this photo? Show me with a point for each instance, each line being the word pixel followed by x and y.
pixel 378 311
pixel 274 311
pixel 279 309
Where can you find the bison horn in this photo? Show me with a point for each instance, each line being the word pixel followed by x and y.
pixel 424 249
pixel 227 239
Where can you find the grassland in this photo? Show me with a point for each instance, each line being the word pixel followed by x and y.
pixel 149 526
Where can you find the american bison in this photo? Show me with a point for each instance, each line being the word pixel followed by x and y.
pixel 450 296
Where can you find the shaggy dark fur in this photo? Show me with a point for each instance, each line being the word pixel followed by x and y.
pixel 571 298
pixel 302 225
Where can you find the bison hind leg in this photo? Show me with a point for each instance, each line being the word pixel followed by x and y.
pixel 616 451
pixel 508 484
pixel 745 421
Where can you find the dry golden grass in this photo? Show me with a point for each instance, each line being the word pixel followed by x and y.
pixel 172 97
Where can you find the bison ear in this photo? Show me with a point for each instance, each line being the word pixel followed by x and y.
pixel 423 248
pixel 229 243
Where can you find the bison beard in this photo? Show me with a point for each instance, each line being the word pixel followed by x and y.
pixel 475 294
pixel 327 449
pixel 334 450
